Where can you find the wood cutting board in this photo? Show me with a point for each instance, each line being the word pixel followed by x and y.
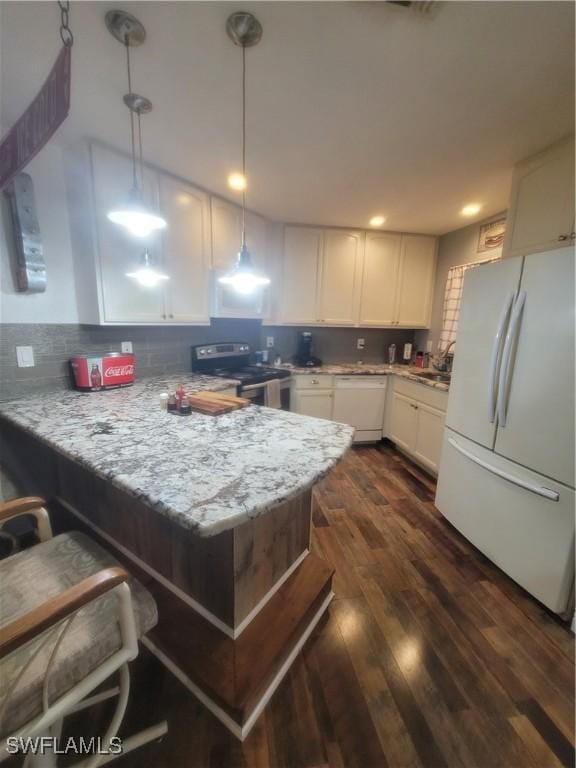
pixel 216 403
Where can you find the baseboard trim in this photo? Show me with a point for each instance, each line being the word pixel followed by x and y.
pixel 240 731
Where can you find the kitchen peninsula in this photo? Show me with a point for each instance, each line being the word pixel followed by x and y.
pixel 211 514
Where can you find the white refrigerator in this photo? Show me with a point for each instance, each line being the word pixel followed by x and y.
pixel 506 478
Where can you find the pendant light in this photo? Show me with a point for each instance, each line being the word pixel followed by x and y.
pixel 145 273
pixel 133 214
pixel 244 30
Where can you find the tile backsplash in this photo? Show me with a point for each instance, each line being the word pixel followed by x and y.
pixel 338 345
pixel 157 349
pixel 166 349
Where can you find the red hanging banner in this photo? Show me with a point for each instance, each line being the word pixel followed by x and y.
pixel 37 125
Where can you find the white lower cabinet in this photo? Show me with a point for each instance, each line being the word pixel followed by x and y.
pixel 403 422
pixel 312 395
pixel 316 403
pixel 415 419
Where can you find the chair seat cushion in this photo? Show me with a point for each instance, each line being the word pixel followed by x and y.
pixel 28 579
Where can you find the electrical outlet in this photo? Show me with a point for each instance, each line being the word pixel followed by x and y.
pixel 25 357
pixel 126 347
pixel 429 345
pixel 269 341
pixel 360 343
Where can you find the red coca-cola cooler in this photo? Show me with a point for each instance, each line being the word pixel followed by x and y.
pixel 110 371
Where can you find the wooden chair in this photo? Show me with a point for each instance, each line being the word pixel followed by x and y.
pixel 70 617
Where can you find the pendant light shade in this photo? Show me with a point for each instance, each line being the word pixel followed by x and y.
pixel 146 274
pixel 245 30
pixel 139 219
pixel 135 216
pixel 243 276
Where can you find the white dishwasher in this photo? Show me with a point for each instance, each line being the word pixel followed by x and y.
pixel 359 401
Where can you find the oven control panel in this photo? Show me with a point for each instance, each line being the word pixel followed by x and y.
pixel 219 351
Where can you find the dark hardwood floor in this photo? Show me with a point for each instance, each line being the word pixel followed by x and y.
pixel 430 656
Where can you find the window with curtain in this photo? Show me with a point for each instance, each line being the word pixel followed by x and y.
pixel 452 300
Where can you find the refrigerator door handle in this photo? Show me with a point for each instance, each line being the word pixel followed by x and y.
pixel 511 336
pixel 497 356
pixel 540 490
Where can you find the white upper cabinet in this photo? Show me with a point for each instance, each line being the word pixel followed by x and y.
pixel 226 233
pixel 416 281
pixel 186 250
pixel 227 236
pixel 346 277
pixel 122 299
pixel 300 270
pixel 541 210
pixel 380 279
pixel 181 250
pixel 339 284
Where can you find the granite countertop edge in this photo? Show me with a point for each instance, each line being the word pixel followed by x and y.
pixel 338 440
pixel 371 369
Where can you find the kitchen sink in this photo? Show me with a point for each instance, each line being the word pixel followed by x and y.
pixel 444 378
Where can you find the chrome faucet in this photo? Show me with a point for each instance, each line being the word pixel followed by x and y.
pixel 442 362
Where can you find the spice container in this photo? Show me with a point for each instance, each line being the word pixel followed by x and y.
pixel 163 398
pixel 171 404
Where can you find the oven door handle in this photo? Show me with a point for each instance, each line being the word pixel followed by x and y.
pixel 253 387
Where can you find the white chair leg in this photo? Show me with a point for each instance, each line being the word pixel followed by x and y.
pixel 48 757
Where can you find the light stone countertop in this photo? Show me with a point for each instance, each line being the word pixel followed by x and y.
pixel 371 369
pixel 206 473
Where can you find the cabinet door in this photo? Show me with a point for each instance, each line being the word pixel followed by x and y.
pixel 226 231
pixel 339 277
pixel 403 421
pixel 185 245
pixel 429 434
pixel 300 265
pixel 416 281
pixel 123 300
pixel 226 227
pixel 317 404
pixel 380 279
pixel 542 202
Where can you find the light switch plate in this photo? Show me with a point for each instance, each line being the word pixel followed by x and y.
pixel 126 347
pixel 429 345
pixel 269 341
pixel 25 357
pixel 360 343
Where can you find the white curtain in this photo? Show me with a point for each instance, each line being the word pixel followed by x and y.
pixel 452 300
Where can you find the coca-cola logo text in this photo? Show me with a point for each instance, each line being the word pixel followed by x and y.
pixel 118 370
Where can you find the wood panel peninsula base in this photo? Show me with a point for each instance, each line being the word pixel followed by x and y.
pixel 234 608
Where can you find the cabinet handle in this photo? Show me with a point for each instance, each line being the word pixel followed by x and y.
pixel 171 316
pixel 314 381
pixel 414 406
pixel 561 238
pixel 572 235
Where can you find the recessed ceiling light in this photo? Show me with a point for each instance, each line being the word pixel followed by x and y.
pixel 377 221
pixel 471 209
pixel 237 181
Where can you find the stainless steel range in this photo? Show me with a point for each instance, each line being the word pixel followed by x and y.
pixel 231 360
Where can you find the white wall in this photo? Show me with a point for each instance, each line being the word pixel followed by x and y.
pixel 454 248
pixel 58 303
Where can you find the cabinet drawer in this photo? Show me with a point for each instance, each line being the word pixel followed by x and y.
pixel 311 381
pixel 436 398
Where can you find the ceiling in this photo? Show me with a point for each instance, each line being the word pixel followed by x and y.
pixel 354 108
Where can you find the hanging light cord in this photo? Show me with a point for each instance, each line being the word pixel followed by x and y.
pixel 244 144
pixel 132 127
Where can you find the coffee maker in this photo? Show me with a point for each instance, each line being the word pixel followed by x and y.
pixel 304 356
